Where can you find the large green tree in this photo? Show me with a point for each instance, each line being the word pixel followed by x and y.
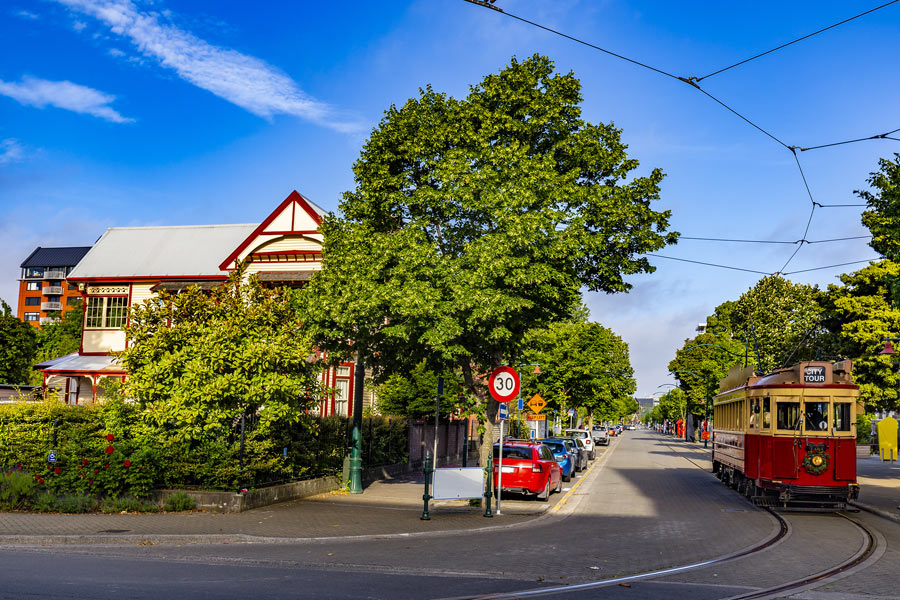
pixel 882 215
pixel 778 318
pixel 859 315
pixel 702 362
pixel 475 220
pixel 198 359
pixel 18 345
pixel 583 365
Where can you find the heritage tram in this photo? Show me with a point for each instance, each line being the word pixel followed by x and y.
pixel 788 438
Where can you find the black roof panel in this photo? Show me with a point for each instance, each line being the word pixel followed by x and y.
pixel 55 257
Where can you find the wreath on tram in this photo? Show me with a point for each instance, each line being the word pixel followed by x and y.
pixel 815 462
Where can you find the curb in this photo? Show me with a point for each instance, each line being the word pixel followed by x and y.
pixel 875 511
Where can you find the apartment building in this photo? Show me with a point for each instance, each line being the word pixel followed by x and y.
pixel 43 289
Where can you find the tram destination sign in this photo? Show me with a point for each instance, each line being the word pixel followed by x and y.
pixel 813 374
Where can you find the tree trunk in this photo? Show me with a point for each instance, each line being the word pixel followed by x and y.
pixel 487 418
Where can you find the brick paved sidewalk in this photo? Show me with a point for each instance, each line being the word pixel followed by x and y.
pixel 879 486
pixel 388 507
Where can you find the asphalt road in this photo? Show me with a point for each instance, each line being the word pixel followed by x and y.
pixel 647 505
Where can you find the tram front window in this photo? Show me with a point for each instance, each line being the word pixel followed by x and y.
pixel 816 416
pixel 788 415
pixel 842 416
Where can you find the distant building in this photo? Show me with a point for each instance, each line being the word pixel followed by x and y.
pixel 42 286
pixel 646 404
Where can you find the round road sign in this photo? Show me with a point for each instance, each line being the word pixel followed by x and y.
pixel 504 384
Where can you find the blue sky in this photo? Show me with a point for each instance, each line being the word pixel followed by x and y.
pixel 116 112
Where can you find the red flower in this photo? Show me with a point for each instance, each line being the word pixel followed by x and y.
pixel 41 481
pixel 84 462
pixel 57 470
pixel 106 466
pixel 96 471
pixel 91 482
pixel 110 449
pixel 127 463
pixel 110 437
pixel 80 467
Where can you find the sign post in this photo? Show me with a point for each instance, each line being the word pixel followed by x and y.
pixel 504 386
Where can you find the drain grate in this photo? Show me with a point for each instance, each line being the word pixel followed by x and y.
pixel 114 531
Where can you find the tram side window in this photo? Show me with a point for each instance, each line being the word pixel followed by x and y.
pixel 766 413
pixel 787 415
pixel 842 416
pixel 816 416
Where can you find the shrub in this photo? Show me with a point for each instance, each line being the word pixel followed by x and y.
pixel 44 502
pixel 179 501
pixel 15 489
pixel 128 504
pixel 76 503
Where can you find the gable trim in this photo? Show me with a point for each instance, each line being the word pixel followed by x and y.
pixel 294 196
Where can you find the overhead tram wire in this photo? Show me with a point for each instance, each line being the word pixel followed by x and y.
pixel 880 136
pixel 855 262
pixel 693 82
pixel 742 241
pixel 800 39
pixel 697 262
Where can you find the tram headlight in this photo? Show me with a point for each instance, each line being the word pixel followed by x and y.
pixel 817 460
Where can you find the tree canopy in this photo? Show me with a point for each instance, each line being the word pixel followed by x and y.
pixel 18 345
pixel 475 220
pixel 859 315
pixel 882 215
pixel 199 358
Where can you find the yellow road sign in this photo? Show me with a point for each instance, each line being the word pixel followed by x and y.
pixel 534 417
pixel 537 403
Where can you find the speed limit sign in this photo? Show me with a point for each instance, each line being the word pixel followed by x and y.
pixel 504 384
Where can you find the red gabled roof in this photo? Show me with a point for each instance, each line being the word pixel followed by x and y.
pixel 294 196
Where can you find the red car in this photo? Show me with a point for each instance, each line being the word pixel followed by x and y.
pixel 528 468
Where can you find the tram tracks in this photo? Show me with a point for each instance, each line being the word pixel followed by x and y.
pixel 871 549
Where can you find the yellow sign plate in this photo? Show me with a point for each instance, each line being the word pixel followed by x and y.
pixel 533 417
pixel 537 403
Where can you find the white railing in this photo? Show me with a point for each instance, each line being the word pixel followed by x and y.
pixel 48 274
pixel 48 320
pixel 51 306
pixel 53 290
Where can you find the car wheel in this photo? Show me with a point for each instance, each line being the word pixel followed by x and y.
pixel 558 486
pixel 545 495
pixel 567 477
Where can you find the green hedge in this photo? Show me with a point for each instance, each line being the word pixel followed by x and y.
pixel 110 450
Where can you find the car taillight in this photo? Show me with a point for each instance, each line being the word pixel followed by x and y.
pixel 536 468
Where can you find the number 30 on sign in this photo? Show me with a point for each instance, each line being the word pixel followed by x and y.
pixel 504 384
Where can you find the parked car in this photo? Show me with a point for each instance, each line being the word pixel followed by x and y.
pixel 578 451
pixel 567 459
pixel 528 468
pixel 630 427
pixel 585 436
pixel 600 434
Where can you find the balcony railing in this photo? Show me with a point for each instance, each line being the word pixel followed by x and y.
pixel 45 306
pixel 48 274
pixel 48 320
pixel 53 290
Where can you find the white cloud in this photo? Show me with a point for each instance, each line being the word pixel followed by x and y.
pixel 78 25
pixel 243 80
pixel 11 151
pixel 25 14
pixel 32 91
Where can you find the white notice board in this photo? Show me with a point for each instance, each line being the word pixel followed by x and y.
pixel 452 483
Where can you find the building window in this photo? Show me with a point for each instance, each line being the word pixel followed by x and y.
pixel 33 301
pixel 33 272
pixel 341 392
pixel 106 312
pixel 33 286
pixel 32 316
pixel 73 286
pixel 73 301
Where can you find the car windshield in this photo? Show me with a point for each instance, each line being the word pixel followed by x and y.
pixel 578 434
pixel 556 446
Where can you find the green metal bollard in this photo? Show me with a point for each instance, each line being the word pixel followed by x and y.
pixel 425 516
pixel 490 486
